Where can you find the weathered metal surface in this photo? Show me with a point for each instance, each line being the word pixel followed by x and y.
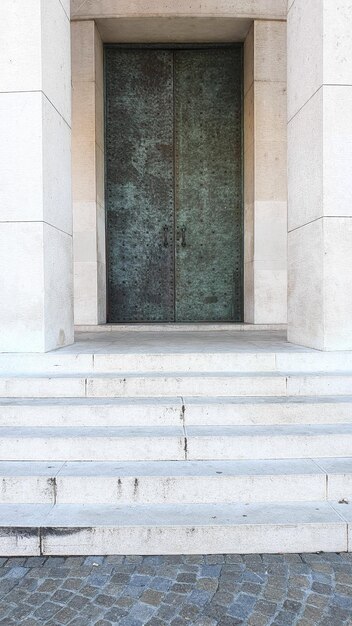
pixel 208 176
pixel 174 211
pixel 139 187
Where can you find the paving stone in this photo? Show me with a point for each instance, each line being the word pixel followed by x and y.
pixel 16 572
pixel 124 602
pixel 199 597
pixel 213 590
pixel 37 599
pixel 55 561
pixel 78 602
pixel 181 588
pixel 189 612
pixel 185 577
pixel 205 621
pixel 160 584
pixel 65 616
pixel 150 596
pixel 227 620
pixel 208 584
pixel 115 613
pixel 178 621
pixel 63 596
pixel 155 621
pixel 258 619
pixel 166 611
pixel 48 609
pixel 321 588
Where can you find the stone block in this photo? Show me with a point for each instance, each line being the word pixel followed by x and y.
pixel 83 52
pixel 21 190
pixel 271 165
pixel 304 53
pixel 305 163
pixel 37 143
pixel 337 283
pixel 337 52
pixel 269 51
pixel 337 150
pixel 56 57
pixel 270 111
pixel 270 293
pixel 305 285
pixel 56 169
pixel 20 65
pixel 270 235
pixel 319 292
pixel 248 53
pixel 22 300
pixel 85 292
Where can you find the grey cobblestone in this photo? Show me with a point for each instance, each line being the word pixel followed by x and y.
pixel 192 590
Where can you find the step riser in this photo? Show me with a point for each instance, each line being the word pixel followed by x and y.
pixel 171 414
pixel 68 415
pixel 188 539
pixel 204 386
pixel 175 448
pixel 276 413
pixel 162 490
pixel 176 362
pixel 93 449
pixel 278 447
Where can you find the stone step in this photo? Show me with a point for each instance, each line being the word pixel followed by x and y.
pixel 93 444
pixel 181 359
pixel 269 442
pixel 175 443
pixel 111 412
pixel 176 384
pixel 169 482
pixel 33 529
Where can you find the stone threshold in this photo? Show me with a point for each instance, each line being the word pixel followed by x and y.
pixel 171 327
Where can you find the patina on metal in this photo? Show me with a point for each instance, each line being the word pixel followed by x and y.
pixel 174 184
pixel 208 184
pixel 139 184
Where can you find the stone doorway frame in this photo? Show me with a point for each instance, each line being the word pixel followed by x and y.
pixel 265 195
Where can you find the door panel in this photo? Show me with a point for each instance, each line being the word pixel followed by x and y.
pixel 174 184
pixel 208 185
pixel 139 191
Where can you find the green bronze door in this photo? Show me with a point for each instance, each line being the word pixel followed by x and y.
pixel 174 184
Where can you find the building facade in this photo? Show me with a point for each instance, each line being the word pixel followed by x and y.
pixel 176 188
pixel 296 249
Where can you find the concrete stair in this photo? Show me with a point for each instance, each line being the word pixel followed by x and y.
pixel 147 452
pixel 198 384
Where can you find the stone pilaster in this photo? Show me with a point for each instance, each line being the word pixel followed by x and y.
pixel 88 174
pixel 319 173
pixel 265 191
pixel 36 282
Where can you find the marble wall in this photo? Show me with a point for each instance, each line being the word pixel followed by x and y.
pixel 36 282
pixel 265 179
pixel 319 173
pixel 88 174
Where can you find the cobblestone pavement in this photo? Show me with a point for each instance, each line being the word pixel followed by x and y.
pixel 300 590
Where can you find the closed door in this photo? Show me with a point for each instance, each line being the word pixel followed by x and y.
pixel 174 184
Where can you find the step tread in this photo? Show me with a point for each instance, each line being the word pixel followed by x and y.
pixel 175 515
pixel 161 469
pixel 88 431
pixel 169 401
pixel 170 374
pixel 276 430
pixel 216 431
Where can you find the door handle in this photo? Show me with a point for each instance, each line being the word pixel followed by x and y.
pixel 183 236
pixel 166 240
